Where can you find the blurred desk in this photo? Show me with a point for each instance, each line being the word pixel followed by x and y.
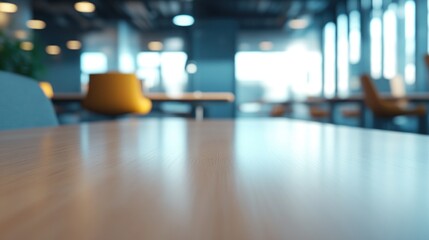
pixel 360 101
pixel 192 180
pixel 357 99
pixel 197 99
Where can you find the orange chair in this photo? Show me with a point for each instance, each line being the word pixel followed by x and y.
pixel 315 108
pixel 386 110
pixel 116 94
pixel 280 110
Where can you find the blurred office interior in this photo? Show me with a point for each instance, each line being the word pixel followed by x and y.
pixel 214 119
pixel 272 55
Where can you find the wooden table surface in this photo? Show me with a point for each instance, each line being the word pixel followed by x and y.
pixel 244 179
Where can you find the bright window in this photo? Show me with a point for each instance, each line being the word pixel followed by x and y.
pixel 149 60
pixel 376 47
pixel 296 71
pixel 163 70
pixel 355 37
pixel 410 42
pixel 343 54
pixel 390 42
pixel 329 59
pixel 127 63
pixel 92 62
pixel 173 71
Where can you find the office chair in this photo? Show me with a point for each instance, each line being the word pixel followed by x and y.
pixel 116 94
pixel 23 104
pixel 385 111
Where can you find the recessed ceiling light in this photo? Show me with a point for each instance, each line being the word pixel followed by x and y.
pixel 74 45
pixel 21 34
pixel 155 46
pixel 53 50
pixel 183 20
pixel 299 23
pixel 26 46
pixel 36 24
pixel 84 7
pixel 265 45
pixel 8 7
pixel 191 68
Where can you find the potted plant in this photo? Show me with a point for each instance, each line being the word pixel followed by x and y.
pixel 13 58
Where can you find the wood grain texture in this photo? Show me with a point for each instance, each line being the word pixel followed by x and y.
pixel 244 179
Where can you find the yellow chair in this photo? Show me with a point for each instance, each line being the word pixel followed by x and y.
pixel 47 89
pixel 116 94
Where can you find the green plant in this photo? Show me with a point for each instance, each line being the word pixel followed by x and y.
pixel 25 62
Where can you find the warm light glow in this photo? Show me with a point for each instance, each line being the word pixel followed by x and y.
pixel 74 45
pixel 21 34
pixel 36 24
pixel 47 89
pixel 183 20
pixel 84 7
pixel 27 46
pixel 53 50
pixel 8 7
pixel 155 46
pixel 4 20
pixel 266 45
pixel 298 23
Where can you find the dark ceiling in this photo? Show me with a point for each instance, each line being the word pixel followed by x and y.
pixel 153 15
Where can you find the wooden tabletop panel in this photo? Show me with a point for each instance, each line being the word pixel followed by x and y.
pixel 244 179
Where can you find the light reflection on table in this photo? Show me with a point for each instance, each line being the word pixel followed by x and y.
pixel 244 179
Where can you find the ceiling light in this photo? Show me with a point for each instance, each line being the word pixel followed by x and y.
pixel 183 20
pixel 74 45
pixel 155 46
pixel 21 34
pixel 265 45
pixel 191 68
pixel 53 50
pixel 84 7
pixel 26 46
pixel 299 23
pixel 8 7
pixel 36 24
